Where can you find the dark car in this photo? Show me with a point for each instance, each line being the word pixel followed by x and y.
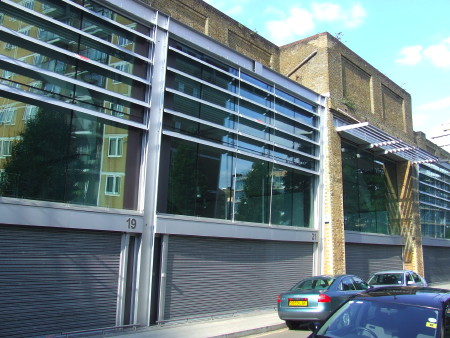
pixel 401 312
pixel 315 298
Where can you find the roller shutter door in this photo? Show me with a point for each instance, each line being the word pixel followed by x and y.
pixel 365 259
pixel 54 281
pixel 437 263
pixel 209 276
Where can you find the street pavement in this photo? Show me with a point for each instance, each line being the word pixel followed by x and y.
pixel 239 325
pixel 233 326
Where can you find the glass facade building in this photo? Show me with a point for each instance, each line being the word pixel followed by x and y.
pixel 144 165
pixel 235 147
pixel 434 189
pixel 74 84
pixel 370 192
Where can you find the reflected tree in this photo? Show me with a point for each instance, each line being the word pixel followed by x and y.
pixel 187 184
pixel 44 163
pixel 254 205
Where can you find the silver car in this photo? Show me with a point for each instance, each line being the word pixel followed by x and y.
pixel 314 299
pixel 397 278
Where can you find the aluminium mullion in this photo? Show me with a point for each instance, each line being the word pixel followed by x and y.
pixel 18 94
pixel 205 63
pixel 113 22
pixel 74 30
pixel 242 80
pixel 299 137
pixel 239 133
pixel 62 78
pixel 248 118
pixel 437 179
pixel 37 45
pixel 279 97
pixel 434 205
pixel 240 96
pixel 237 151
pixel 435 187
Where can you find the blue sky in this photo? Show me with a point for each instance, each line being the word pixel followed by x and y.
pixel 407 40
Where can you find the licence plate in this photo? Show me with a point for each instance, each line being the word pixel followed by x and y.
pixel 298 302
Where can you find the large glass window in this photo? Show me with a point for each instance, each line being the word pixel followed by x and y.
pixel 208 182
pixel 370 192
pixel 266 162
pixel 67 157
pixel 199 181
pixel 63 65
pixel 106 68
pixel 434 188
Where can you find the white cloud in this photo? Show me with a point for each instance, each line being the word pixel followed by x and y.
pixel 436 105
pixel 326 11
pixel 356 16
pixel 302 21
pixel 439 54
pixel 299 22
pixel 331 12
pixel 410 55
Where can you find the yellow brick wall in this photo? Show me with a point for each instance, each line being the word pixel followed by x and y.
pixel 407 178
pixel 204 18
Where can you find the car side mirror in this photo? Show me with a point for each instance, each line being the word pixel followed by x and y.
pixel 314 326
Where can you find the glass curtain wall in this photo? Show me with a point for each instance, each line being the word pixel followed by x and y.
pixel 73 86
pixel 238 148
pixel 434 189
pixel 370 192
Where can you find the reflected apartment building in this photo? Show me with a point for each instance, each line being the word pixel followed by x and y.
pixel 152 153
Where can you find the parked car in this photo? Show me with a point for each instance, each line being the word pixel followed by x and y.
pixel 315 298
pixel 403 312
pixel 397 278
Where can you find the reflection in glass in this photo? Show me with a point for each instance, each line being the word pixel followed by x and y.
pixel 252 200
pixel 62 157
pixel 292 198
pixel 116 74
pixel 370 192
pixel 207 182
pixel 199 181
pixel 434 188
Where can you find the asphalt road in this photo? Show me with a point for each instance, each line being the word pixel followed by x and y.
pixel 283 333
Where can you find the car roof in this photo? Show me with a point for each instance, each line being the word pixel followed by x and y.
pixel 392 271
pixel 330 276
pixel 409 295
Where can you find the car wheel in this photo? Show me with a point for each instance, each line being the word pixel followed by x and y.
pixel 292 324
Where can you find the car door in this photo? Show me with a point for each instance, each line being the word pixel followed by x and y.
pixel 417 279
pixel 409 279
pixel 360 284
pixel 346 289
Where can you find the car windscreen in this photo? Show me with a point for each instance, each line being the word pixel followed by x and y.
pixel 387 279
pixel 314 284
pixel 369 318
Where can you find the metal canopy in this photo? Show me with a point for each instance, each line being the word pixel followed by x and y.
pixel 370 137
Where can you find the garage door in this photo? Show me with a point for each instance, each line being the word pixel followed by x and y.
pixel 209 276
pixel 437 263
pixel 54 281
pixel 365 259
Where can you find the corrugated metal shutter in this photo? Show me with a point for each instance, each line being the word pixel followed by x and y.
pixel 54 281
pixel 365 259
pixel 209 276
pixel 437 263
